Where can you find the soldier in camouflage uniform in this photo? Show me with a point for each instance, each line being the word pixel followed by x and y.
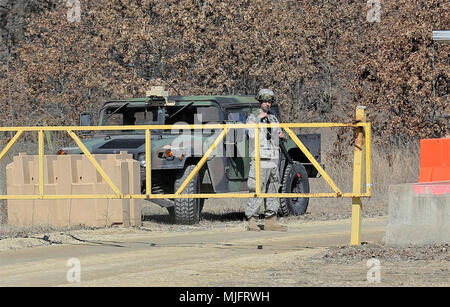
pixel 269 173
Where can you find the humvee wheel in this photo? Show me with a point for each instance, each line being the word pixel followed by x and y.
pixel 171 210
pixel 293 183
pixel 187 210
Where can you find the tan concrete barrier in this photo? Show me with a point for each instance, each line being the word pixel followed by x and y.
pixel 419 214
pixel 73 174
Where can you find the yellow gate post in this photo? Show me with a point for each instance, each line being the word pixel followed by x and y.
pixel 358 170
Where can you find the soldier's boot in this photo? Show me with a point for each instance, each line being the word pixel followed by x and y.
pixel 252 225
pixel 271 223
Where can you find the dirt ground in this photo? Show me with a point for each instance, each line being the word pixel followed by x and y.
pixel 315 251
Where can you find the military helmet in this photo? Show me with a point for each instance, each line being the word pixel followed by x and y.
pixel 265 94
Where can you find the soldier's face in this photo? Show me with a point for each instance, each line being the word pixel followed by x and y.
pixel 265 106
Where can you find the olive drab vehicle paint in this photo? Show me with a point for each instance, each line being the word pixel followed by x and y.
pixel 176 152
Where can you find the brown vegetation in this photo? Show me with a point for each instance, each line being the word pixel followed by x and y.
pixel 321 57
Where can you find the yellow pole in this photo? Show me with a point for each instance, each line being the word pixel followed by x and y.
pixel 148 163
pixel 41 161
pixel 310 157
pixel 95 163
pixel 10 144
pixel 358 177
pixel 202 161
pixel 196 126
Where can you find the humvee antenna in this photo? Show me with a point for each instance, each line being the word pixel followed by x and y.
pixel 173 87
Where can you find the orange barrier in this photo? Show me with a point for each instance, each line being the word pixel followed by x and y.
pixel 434 160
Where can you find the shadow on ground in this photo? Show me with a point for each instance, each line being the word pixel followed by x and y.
pixel 206 216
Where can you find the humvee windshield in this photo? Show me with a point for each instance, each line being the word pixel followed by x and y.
pixel 125 114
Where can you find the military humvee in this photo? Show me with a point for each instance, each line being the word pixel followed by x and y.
pixel 176 152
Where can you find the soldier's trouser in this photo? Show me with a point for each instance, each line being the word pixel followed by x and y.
pixel 270 183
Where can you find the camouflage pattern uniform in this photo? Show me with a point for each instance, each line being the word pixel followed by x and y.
pixel 269 172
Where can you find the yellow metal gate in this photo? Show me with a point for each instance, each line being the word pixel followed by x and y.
pixel 361 163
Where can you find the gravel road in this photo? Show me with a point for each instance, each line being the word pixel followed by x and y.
pixel 219 252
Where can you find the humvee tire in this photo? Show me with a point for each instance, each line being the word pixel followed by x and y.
pixel 292 184
pixel 187 210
